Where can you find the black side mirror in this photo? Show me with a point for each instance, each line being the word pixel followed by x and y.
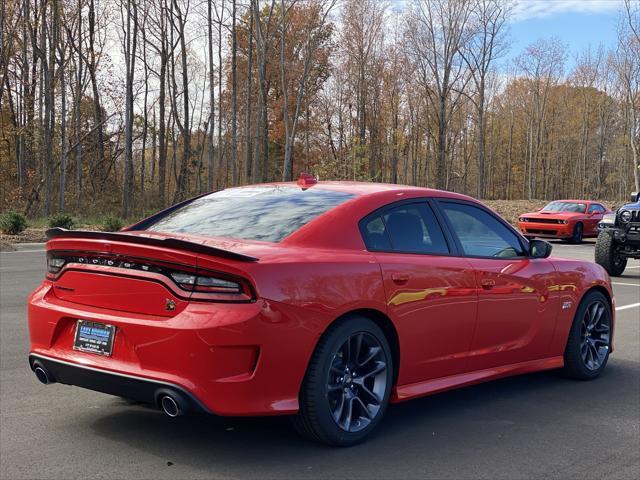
pixel 635 196
pixel 539 249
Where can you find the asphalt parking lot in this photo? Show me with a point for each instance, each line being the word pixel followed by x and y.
pixel 533 426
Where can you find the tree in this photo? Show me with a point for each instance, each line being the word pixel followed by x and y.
pixel 543 63
pixel 314 35
pixel 486 44
pixel 628 70
pixel 129 15
pixel 438 30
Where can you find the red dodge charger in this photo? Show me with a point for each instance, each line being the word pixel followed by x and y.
pixel 566 219
pixel 323 300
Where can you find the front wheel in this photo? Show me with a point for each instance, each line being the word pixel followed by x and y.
pixel 607 256
pixel 348 383
pixel 578 232
pixel 589 342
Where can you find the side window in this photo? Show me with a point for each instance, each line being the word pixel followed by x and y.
pixel 375 235
pixel 480 233
pixel 411 228
pixel 595 208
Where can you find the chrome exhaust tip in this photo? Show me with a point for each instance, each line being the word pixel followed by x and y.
pixel 42 375
pixel 170 406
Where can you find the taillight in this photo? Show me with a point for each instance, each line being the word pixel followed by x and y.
pixel 207 284
pixel 54 265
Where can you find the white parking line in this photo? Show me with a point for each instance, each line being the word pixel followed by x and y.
pixel 625 307
pixel 622 283
pixel 24 251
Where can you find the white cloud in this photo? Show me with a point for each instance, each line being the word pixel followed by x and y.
pixel 526 9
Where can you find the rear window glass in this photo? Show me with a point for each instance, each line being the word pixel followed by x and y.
pixel 266 213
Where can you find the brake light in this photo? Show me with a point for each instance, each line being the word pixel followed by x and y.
pixel 306 180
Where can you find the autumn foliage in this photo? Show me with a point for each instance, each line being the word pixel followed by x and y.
pixel 125 106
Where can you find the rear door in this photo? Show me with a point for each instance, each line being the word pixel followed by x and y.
pixel 431 294
pixel 516 313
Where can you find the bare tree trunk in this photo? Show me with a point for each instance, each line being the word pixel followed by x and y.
pixel 130 36
pixel 145 122
pixel 262 144
pixel 248 104
pixel 63 121
pixel 220 17
pixel 184 125
pixel 92 67
pixel 234 99
pixel 77 112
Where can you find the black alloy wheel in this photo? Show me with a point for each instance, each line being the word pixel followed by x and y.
pixel 589 342
pixel 357 381
pixel 348 383
pixel 595 334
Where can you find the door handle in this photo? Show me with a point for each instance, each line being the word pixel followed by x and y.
pixel 400 278
pixel 487 283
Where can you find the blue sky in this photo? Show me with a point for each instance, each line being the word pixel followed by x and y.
pixel 578 23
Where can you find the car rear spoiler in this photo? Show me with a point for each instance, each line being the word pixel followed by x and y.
pixel 156 242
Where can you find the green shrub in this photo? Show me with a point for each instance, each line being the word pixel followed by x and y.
pixel 112 224
pixel 61 220
pixel 12 223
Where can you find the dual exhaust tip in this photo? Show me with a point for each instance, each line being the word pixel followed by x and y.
pixel 43 376
pixel 171 403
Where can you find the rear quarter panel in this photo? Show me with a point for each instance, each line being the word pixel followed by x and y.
pixel 300 292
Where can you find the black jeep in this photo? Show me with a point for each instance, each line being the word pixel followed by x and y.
pixel 619 237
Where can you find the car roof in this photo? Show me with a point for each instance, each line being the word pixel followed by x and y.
pixel 369 188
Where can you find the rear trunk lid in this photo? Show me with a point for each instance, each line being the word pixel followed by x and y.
pixel 133 271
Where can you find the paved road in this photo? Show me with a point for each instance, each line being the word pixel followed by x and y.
pixel 524 427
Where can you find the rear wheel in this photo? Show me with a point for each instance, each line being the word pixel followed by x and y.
pixel 589 343
pixel 607 256
pixel 348 383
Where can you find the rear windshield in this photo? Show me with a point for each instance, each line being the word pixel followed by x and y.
pixel 266 213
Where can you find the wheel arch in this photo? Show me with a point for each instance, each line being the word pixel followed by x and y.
pixel 386 325
pixel 601 289
pixel 607 295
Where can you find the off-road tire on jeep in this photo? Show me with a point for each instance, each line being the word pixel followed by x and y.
pixel 605 255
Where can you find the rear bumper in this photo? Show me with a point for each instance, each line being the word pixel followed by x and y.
pixel 232 359
pixel 128 386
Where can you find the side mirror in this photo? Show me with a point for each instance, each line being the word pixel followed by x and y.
pixel 539 249
pixel 635 197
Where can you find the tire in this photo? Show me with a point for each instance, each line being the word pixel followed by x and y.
pixel 606 256
pixel 329 381
pixel 589 343
pixel 578 232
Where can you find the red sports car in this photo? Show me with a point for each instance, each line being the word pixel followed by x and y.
pixel 566 219
pixel 323 300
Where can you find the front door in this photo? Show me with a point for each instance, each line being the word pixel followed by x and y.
pixel 516 313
